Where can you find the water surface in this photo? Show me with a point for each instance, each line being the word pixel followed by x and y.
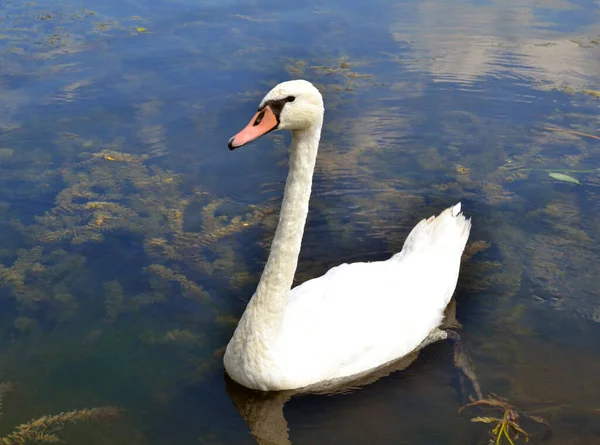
pixel 131 238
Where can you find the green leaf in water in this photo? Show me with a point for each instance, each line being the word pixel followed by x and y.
pixel 141 29
pixel 563 177
pixel 485 419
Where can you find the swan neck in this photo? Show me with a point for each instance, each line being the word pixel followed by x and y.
pixel 278 276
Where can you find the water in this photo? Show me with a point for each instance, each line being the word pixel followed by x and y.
pixel 131 237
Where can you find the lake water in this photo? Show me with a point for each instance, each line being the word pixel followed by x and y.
pixel 131 238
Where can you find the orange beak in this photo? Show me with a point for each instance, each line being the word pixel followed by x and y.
pixel 261 123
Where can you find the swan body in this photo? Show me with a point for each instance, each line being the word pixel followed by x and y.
pixel 356 317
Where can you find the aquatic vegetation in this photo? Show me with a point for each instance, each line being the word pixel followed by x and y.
pixel 568 89
pixel 113 300
pixel 112 193
pixel 578 133
pixel 340 69
pixel 164 275
pixel 184 336
pixel 46 429
pixel 42 33
pixel 43 278
pixel 563 177
pixel 506 426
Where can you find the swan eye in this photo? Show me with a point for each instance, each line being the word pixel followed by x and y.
pixel 259 118
pixel 275 105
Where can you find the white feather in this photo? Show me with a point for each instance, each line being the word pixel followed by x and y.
pixel 359 316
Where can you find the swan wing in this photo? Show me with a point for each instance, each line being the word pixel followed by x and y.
pixel 361 315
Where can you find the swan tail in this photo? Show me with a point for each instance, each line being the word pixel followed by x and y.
pixel 444 234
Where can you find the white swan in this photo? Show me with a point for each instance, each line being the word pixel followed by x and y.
pixel 356 317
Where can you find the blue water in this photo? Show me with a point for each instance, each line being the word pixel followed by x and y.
pixel 131 238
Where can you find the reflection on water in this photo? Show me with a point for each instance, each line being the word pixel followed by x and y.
pixel 131 238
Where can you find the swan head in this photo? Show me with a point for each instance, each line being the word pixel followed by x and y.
pixel 291 105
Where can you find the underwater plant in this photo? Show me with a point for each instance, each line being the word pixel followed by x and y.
pixel 115 194
pixel 505 427
pixel 46 429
